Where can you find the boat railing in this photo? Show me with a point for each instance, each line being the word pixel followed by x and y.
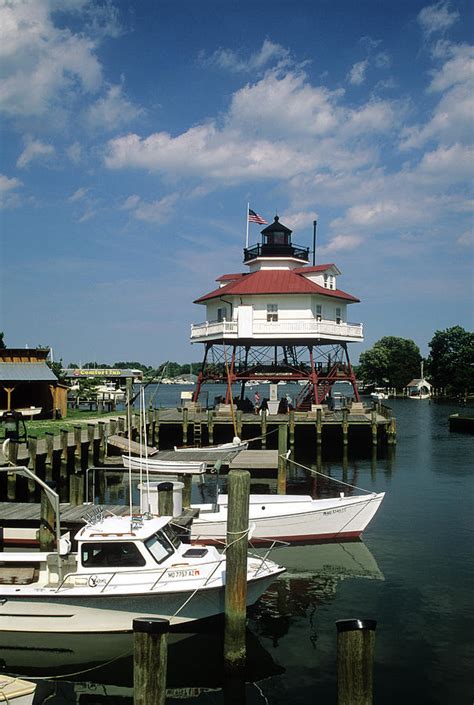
pixel 274 543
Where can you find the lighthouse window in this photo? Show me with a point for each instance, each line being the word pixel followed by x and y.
pixel 221 314
pixel 272 313
pixel 338 315
pixel 319 312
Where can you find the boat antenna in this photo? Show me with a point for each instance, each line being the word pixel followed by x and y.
pixel 145 441
pixel 129 429
pixel 315 223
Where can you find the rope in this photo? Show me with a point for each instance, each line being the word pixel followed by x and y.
pixel 315 472
pixel 78 673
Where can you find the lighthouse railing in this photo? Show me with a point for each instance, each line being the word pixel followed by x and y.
pixel 292 327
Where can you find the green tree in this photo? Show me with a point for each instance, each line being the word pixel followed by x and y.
pixel 451 360
pixel 391 362
pixel 57 368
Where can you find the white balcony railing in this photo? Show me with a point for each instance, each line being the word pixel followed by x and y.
pixel 294 328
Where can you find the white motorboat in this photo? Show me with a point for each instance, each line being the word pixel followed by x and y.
pixel 292 518
pixel 235 446
pixel 379 393
pixel 164 467
pixel 124 567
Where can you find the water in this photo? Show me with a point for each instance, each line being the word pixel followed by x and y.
pixel 413 574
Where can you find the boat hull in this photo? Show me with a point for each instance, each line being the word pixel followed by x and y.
pixel 293 520
pixel 106 613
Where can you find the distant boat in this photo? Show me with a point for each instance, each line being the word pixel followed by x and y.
pixel 379 393
pixel 237 445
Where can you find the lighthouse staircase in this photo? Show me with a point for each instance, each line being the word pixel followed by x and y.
pixel 337 373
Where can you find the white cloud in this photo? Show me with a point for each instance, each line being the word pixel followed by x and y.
pixel 112 111
pixel 357 73
pixel 152 211
pixel 229 60
pixel 74 152
pixel 437 18
pixel 78 195
pixel 466 239
pixel 340 243
pixel 34 149
pixel 8 196
pixel 41 62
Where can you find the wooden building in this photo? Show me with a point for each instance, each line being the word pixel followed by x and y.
pixel 28 385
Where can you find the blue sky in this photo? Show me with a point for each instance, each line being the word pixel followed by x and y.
pixel 133 135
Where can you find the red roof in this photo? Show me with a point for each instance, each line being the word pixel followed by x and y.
pixel 316 268
pixel 274 281
pixel 230 277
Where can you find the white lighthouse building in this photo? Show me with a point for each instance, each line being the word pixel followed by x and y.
pixel 281 320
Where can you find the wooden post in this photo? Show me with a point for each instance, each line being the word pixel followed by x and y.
pixel 355 654
pixel 76 489
pixel 46 533
pixel 165 499
pixel 150 658
pixel 392 431
pixel 153 415
pixel 282 448
pixel 90 443
pixel 185 425
pixel 264 429
pixel 187 481
pixel 49 438
pixel 63 435
pixel 210 426
pixel 345 427
pixel 33 453
pixel 319 426
pixel 112 427
pixel 238 423
pixel 78 448
pixel 121 426
pixel 373 422
pixel 13 447
pixel 291 422
pixel 102 442
pixel 236 569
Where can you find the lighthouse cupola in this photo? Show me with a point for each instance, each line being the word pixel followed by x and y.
pixel 275 250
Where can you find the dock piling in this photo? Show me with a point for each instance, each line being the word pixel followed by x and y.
pixel 165 499
pixel 236 570
pixel 150 658
pixel 355 654
pixel 282 463
pixel 46 533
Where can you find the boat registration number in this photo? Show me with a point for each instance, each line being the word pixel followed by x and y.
pixel 334 511
pixel 184 573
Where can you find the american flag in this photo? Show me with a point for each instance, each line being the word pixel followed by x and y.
pixel 256 218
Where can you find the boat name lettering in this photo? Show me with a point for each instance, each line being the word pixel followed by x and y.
pixel 334 511
pixel 189 572
pixel 95 580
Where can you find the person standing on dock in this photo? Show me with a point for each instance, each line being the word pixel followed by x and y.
pixel 256 400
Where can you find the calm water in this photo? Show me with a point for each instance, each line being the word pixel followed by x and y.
pixel 413 574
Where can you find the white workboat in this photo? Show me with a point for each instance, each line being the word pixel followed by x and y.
pixel 164 467
pixel 379 393
pixel 124 567
pixel 292 518
pixel 235 446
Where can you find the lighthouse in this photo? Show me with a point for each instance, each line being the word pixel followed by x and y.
pixel 281 320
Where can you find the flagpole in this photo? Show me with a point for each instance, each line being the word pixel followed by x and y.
pixel 247 235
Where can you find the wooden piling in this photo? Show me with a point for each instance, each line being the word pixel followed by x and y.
pixel 49 439
pixel 319 426
pixel 236 569
pixel 90 443
pixel 373 423
pixel 355 655
pixel 13 447
pixel 185 425
pixel 150 658
pixel 165 499
pixel 121 426
pixel 102 442
pixel 32 464
pixel 77 447
pixel 76 489
pixel 187 481
pixel 63 439
pixel 263 431
pixel 345 427
pixel 282 449
pixel 291 424
pixel 238 423
pixel 46 533
pixel 210 426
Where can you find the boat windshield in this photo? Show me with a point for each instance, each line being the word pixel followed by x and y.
pixel 159 546
pixel 171 535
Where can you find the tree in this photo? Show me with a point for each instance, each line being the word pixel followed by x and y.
pixel 391 362
pixel 57 368
pixel 451 360
pixel 2 342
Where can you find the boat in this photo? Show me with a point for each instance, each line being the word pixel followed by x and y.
pixel 109 392
pixel 419 388
pixel 16 691
pixel 124 567
pixel 379 393
pixel 236 445
pixel 292 518
pixel 165 467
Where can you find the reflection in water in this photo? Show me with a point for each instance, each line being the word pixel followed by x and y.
pixel 313 573
pixel 98 670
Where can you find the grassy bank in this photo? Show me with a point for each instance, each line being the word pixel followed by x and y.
pixel 75 417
